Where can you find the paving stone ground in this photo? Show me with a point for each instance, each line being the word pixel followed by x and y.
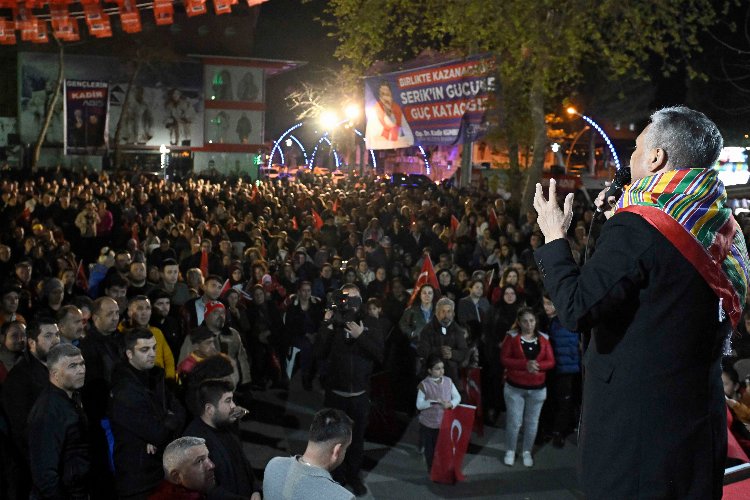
pixel 278 423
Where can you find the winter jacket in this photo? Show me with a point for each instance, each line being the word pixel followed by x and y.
pixel 59 447
pixel 143 412
pixel 565 347
pixel 515 362
pixel 350 360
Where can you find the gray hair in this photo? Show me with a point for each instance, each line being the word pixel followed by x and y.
pixel 689 138
pixel 445 301
pixel 60 351
pixel 174 453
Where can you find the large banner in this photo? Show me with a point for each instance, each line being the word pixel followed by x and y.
pixel 86 113
pixel 166 103
pixel 435 105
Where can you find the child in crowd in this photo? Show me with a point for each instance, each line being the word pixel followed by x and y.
pixel 434 394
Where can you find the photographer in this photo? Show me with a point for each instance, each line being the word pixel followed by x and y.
pixel 349 344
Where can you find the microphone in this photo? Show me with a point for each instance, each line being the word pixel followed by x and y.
pixel 622 178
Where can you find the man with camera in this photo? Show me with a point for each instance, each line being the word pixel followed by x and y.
pixel 349 344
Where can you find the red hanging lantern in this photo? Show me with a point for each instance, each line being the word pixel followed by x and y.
pixel 40 35
pixel 64 26
pixel 7 32
pixel 163 12
pixel 130 17
pixel 222 7
pixel 195 7
pixel 97 20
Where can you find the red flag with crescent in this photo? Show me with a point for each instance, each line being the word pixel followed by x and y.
pixel 471 380
pixel 317 220
pixel 452 443
pixel 81 280
pixel 492 219
pixel 426 276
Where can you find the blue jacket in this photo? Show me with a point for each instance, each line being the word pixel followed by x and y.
pixel 565 346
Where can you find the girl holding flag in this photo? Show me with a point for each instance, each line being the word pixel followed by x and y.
pixel 435 394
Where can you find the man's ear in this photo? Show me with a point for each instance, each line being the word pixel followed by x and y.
pixel 174 476
pixel 128 354
pixel 657 160
pixel 336 452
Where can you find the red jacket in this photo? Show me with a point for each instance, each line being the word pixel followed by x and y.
pixel 514 360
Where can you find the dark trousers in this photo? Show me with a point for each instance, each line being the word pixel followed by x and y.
pixel 564 418
pixel 358 409
pixel 429 437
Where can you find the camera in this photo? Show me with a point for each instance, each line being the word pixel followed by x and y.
pixel 345 308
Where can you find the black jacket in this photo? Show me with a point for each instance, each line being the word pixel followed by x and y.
pixel 654 417
pixel 234 475
pixel 25 382
pixel 432 339
pixel 101 353
pixel 58 447
pixel 143 412
pixel 350 360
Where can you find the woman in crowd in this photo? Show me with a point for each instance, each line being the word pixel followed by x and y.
pixel 526 356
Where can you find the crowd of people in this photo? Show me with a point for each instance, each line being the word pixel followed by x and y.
pixel 134 311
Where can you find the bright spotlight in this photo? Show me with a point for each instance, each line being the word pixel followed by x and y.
pixel 572 111
pixel 555 147
pixel 328 119
pixel 352 112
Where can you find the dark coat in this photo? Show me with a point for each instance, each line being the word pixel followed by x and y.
pixel 59 447
pixel 432 339
pixel 101 353
pixel 233 473
pixel 654 419
pixel 143 412
pixel 25 382
pixel 350 360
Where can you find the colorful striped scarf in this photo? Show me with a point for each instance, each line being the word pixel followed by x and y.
pixel 695 198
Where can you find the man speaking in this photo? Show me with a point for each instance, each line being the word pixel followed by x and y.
pixel 662 292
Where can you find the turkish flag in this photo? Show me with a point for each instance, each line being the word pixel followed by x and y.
pixel 204 263
pixel 488 282
pixel 471 380
pixel 492 219
pixel 81 280
pixel 428 277
pixel 317 220
pixel 295 225
pixel 453 440
pixel 225 288
pixel 454 223
pixel 335 207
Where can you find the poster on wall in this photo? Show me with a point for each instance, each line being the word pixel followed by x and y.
pixel 233 83
pixel 166 104
pixel 7 127
pixel 234 126
pixel 435 105
pixel 86 111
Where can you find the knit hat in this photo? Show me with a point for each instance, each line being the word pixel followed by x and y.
pixel 213 306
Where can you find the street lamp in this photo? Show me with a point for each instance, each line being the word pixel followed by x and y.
pixel 572 111
pixel 328 119
pixel 352 112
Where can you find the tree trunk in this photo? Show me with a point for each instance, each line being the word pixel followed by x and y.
pixel 534 172
pixel 51 106
pixel 123 111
